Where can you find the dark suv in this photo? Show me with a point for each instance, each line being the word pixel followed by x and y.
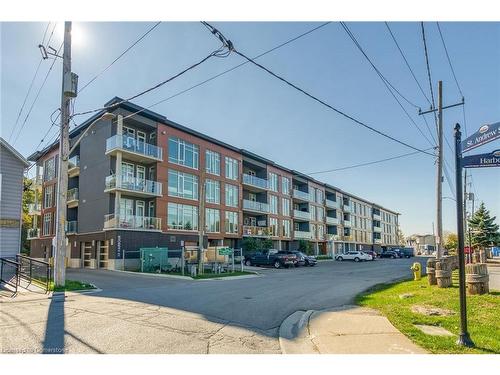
pixel 389 254
pixel 277 259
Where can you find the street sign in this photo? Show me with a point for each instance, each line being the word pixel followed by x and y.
pixel 483 135
pixel 225 251
pixel 491 159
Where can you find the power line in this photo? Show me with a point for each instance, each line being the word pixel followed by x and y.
pixel 428 72
pixel 368 163
pixel 448 180
pixel 449 60
pixel 329 106
pixel 387 84
pixel 45 33
pixel 52 33
pixel 120 56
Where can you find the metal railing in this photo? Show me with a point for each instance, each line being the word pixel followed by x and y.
pixel 72 226
pixel 33 233
pixel 134 184
pixel 9 273
pixel 255 181
pixel 72 195
pixel 127 143
pixel 301 195
pixel 115 221
pixel 255 206
pixel 34 271
pixel 301 215
pixel 249 230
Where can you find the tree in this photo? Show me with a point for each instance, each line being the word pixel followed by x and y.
pixel 451 242
pixel 484 231
pixel 251 244
pixel 306 247
pixel 27 220
pixel 401 237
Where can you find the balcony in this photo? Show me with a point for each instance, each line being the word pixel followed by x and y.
pixel 348 237
pixel 71 227
pixel 347 223
pixel 377 229
pixel 74 166
pixel 301 215
pixel 256 182
pixel 33 233
pixel 376 217
pixel 34 209
pixel 332 204
pixel 133 186
pixel 135 150
pixel 301 195
pixel 332 220
pixel 255 206
pixel 252 231
pixel 377 240
pixel 72 198
pixel 131 222
pixel 346 208
pixel 333 237
pixel 303 235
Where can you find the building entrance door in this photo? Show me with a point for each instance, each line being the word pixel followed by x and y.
pixel 103 252
pixel 87 260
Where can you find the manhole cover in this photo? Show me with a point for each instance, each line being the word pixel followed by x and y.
pixel 247 297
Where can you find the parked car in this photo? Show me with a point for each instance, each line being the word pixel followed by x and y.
pixel 305 260
pixel 372 253
pixel 389 254
pixel 270 258
pixel 408 252
pixel 357 256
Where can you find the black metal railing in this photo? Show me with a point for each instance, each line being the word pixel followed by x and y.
pixel 9 273
pixel 34 271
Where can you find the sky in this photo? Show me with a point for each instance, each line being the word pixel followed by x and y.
pixel 250 109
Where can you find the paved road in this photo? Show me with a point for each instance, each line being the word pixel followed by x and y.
pixel 151 314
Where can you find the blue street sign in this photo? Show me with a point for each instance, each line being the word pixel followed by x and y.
pixel 491 159
pixel 485 134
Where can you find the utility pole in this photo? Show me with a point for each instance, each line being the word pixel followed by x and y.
pixel 439 167
pixel 201 222
pixel 62 178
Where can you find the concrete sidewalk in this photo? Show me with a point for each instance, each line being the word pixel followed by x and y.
pixel 345 330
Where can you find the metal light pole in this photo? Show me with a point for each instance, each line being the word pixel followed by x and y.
pixel 463 338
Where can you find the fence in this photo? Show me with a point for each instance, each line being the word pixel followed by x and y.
pixel 9 273
pixel 34 271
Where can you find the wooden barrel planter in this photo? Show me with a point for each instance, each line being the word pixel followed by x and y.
pixel 476 278
pixel 430 269
pixel 443 274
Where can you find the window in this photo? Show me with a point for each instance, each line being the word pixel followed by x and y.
pixel 48 199
pixel 319 196
pixel 286 228
pixel 49 169
pixel 273 204
pixel 212 162
pixel 182 216
pixel 47 224
pixel 273 181
pixel 231 222
pixel 182 153
pixel 313 212
pixel 231 168
pixel 182 185
pixel 212 220
pixel 285 206
pixel 285 185
pixel 321 232
pixel 273 224
pixel 231 195
pixel 212 191
pixel 320 214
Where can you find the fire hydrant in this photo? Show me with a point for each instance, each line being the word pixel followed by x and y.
pixel 417 271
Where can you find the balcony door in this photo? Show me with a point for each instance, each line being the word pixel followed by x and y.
pixel 126 214
pixel 141 178
pixel 140 213
pixel 141 141
pixel 128 176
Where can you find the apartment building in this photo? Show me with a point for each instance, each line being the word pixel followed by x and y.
pixel 136 181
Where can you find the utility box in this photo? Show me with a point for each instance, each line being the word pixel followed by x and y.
pixel 71 84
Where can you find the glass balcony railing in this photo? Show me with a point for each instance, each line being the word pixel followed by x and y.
pixel 131 144
pixel 376 217
pixel 33 233
pixel 255 206
pixel 116 221
pixel 332 220
pixel 377 240
pixel 255 181
pixel 74 162
pixel 249 230
pixel 72 195
pixel 377 229
pixel 71 226
pixel 34 208
pixel 332 204
pixel 303 235
pixel 347 223
pixel 301 215
pixel 301 195
pixel 346 208
pixel 134 184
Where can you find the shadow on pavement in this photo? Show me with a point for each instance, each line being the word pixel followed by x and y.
pixel 53 342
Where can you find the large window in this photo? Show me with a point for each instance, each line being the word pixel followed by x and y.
pixel 273 224
pixel 273 204
pixel 49 169
pixel 182 185
pixel 231 168
pixel 212 162
pixel 287 228
pixel 313 212
pixel 285 206
pixel 231 222
pixel 47 224
pixel 320 214
pixel 231 195
pixel 182 153
pixel 48 196
pixel 273 181
pixel 285 185
pixel 319 196
pixel 212 191
pixel 212 220
pixel 182 216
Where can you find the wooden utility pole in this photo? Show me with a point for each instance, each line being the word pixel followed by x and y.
pixel 201 222
pixel 62 180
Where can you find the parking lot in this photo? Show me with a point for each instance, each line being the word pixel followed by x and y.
pixel 168 315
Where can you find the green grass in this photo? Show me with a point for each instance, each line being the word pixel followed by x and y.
pixel 483 314
pixel 70 285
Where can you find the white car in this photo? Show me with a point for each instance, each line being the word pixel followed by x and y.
pixel 357 256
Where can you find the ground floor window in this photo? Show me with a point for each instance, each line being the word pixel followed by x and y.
pixel 286 228
pixel 182 216
pixel 273 224
pixel 212 220
pixel 231 222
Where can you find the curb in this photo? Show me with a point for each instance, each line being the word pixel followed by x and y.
pixel 294 334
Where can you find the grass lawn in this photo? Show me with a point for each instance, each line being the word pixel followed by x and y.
pixel 483 315
pixel 71 285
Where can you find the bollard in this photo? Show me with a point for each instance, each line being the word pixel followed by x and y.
pixel 477 278
pixel 431 271
pixel 443 274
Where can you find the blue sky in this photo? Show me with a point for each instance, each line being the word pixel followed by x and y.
pixel 252 110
